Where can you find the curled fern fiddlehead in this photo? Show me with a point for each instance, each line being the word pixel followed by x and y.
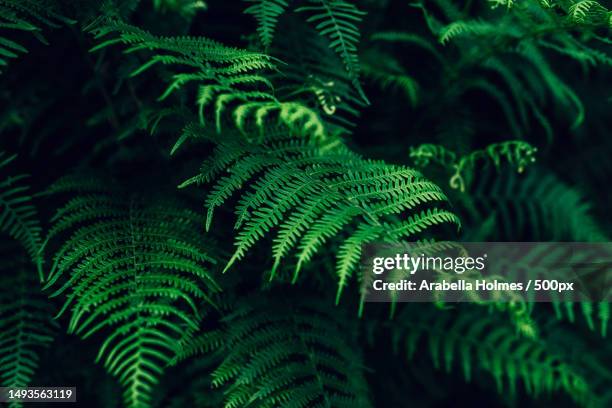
pixel 516 153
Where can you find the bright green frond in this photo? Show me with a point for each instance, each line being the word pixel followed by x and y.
pixel 311 194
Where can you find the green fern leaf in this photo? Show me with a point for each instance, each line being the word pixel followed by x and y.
pixel 588 12
pixel 387 73
pixel 135 270
pixel 26 325
pixel 474 341
pixel 462 28
pixel 267 13
pixel 311 193
pixel 207 60
pixel 539 206
pixel 29 16
pixel 291 355
pixel 252 110
pixel 18 216
pixel 337 20
pixel 516 153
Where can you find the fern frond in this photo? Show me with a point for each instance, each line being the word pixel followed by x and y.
pixel 528 28
pixel 135 270
pixel 537 205
pixel 337 20
pixel 516 153
pixel 228 78
pixel 315 76
pixel 524 101
pixel 267 13
pixel 588 12
pixel 311 193
pixel 463 28
pixel 423 154
pixel 186 8
pixel 207 60
pixel 387 73
pixel 481 342
pixel 18 216
pixel 595 314
pixel 255 109
pixel 292 355
pixel 557 86
pixel 542 207
pixel 26 323
pixel 29 16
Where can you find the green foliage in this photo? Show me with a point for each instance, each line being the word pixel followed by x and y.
pixel 479 342
pixel 187 8
pixel 314 76
pixel 227 75
pixel 337 20
pixel 18 216
pixel 290 354
pixel 260 107
pixel 471 28
pixel 29 16
pixel 26 325
pixel 514 152
pixel 208 60
pixel 267 13
pixel 527 31
pixel 533 205
pixel 133 268
pixel 544 208
pixel 387 73
pixel 310 193
pixel 299 171
pixel 588 12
